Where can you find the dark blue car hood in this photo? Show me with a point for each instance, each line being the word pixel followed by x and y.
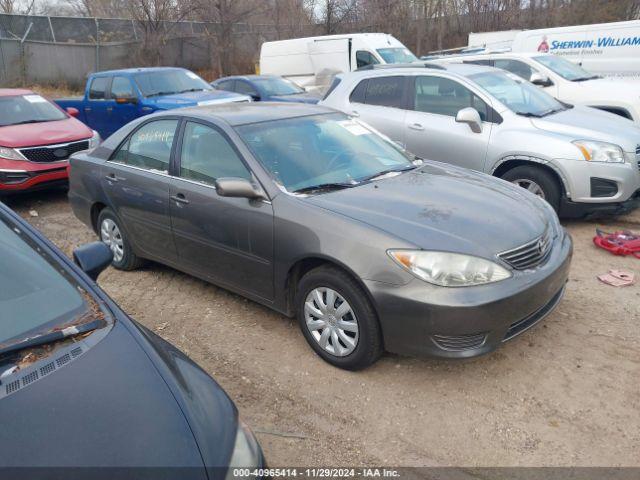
pixel 296 97
pixel 190 99
pixel 112 407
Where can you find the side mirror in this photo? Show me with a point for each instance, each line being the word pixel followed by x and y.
pixel 93 258
pixel 255 97
pixel 471 117
pixel 73 111
pixel 238 187
pixel 123 100
pixel 540 80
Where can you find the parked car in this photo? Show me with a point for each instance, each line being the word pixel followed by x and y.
pixel 317 216
pixel 565 80
pixel 83 386
pixel 36 139
pixel 266 88
pixel 581 160
pixel 114 98
pixel 609 49
pixel 313 61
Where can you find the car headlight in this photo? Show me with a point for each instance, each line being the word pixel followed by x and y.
pixel 10 154
pixel 95 140
pixel 246 452
pixel 449 269
pixel 593 151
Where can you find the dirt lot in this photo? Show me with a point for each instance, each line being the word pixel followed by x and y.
pixel 565 393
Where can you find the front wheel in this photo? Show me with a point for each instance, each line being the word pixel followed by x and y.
pixel 337 319
pixel 537 181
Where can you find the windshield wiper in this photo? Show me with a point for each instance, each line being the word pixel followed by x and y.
pixel 550 111
pixel 53 336
pixel 384 172
pixel 160 94
pixel 584 79
pixel 24 122
pixel 192 90
pixel 326 186
pixel 528 114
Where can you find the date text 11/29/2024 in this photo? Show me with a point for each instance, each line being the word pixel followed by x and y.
pixel 316 473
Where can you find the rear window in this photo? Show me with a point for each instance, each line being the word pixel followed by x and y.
pixel 98 88
pixel 385 92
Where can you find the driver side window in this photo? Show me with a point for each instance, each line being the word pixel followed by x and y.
pixel 516 67
pixel 364 58
pixel 207 155
pixel 443 96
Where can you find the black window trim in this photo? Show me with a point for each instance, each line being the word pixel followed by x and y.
pixel 492 115
pixel 134 131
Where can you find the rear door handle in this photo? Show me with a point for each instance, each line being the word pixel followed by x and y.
pixel 87 109
pixel 109 109
pixel 416 126
pixel 180 198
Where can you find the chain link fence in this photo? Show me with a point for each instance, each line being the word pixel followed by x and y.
pixel 64 50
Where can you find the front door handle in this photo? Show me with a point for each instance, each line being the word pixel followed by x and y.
pixel 112 177
pixel 180 198
pixel 416 126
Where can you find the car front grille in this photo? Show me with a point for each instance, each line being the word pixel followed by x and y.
pixel 516 328
pixel 459 343
pixel 531 254
pixel 54 153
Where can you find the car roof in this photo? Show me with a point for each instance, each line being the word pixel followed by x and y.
pixel 236 114
pixel 246 77
pixel 137 70
pixel 13 92
pixel 455 68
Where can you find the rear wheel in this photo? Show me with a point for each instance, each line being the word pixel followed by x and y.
pixel 112 234
pixel 337 319
pixel 538 181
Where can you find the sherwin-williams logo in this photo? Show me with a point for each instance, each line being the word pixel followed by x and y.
pixel 601 42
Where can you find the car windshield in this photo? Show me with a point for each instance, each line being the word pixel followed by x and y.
pixel 397 55
pixel 278 86
pixel 518 95
pixel 167 82
pixel 566 69
pixel 28 109
pixel 302 153
pixel 36 295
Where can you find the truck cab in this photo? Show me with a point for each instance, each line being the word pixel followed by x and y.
pixel 114 98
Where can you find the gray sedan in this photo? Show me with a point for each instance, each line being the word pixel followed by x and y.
pixel 315 215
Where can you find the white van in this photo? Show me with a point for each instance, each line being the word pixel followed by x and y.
pixel 609 49
pixel 312 62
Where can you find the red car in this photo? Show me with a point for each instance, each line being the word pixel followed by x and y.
pixel 36 139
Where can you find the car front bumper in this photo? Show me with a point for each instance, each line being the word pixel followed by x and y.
pixel 420 319
pixel 21 176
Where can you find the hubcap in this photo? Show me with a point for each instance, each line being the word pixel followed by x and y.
pixel 331 321
pixel 110 234
pixel 530 185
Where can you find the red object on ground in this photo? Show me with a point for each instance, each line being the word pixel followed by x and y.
pixel 36 145
pixel 622 242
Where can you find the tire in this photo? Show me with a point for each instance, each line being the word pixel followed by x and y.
pixel 123 258
pixel 539 177
pixel 367 336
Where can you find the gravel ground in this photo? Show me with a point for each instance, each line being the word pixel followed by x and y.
pixel 564 393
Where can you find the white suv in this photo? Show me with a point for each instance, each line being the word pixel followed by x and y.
pixel 564 80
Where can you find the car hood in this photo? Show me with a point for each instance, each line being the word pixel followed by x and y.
pixel 45 133
pixel 440 207
pixel 108 407
pixel 191 99
pixel 607 88
pixel 296 97
pixel 585 123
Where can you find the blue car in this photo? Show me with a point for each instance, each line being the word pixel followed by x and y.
pixel 266 88
pixel 114 98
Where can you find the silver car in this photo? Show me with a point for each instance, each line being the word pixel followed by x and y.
pixel 581 160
